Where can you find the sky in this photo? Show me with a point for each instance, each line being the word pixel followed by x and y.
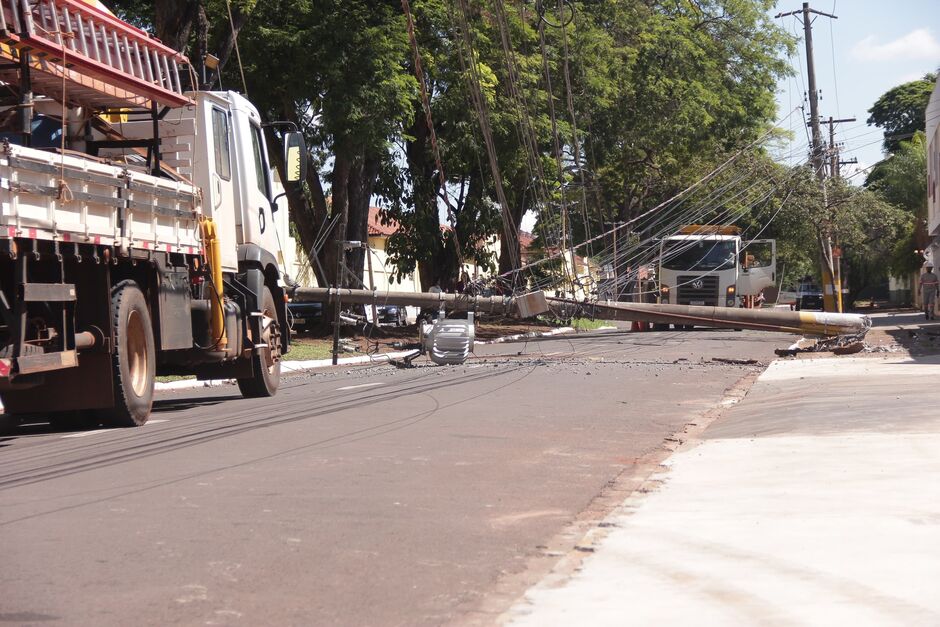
pixel 872 47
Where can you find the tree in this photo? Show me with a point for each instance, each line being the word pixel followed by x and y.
pixel 900 111
pixel 860 221
pixel 688 82
pixel 420 242
pixel 335 69
pixel 184 25
pixel 586 123
pixel 901 180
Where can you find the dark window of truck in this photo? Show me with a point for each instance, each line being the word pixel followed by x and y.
pixel 223 157
pixel 260 165
pixel 700 254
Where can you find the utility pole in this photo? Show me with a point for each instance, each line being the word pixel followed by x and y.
pixel 615 265
pixel 616 271
pixel 832 291
pixel 834 163
pixel 836 173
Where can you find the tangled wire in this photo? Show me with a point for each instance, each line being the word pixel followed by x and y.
pixel 565 15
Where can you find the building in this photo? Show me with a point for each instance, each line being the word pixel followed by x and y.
pixel 933 173
pixel 932 253
pixel 383 270
pixel 578 277
pixel 297 266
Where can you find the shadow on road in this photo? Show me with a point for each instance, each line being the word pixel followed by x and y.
pixel 182 404
pixel 13 427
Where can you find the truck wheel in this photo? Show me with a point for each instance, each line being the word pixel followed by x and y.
pixel 266 365
pixel 134 359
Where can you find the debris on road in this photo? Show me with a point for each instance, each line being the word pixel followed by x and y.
pixel 736 362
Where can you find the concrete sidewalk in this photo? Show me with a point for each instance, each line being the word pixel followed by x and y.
pixel 815 501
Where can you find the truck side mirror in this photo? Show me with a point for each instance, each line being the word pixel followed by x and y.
pixel 295 157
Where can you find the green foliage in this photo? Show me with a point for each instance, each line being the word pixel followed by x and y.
pixel 670 88
pixel 901 180
pixel 900 111
pixel 661 91
pixel 860 221
pixel 585 324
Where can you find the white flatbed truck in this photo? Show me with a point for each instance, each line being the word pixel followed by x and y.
pixel 146 247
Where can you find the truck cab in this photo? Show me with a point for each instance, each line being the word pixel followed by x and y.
pixel 711 266
pixel 218 143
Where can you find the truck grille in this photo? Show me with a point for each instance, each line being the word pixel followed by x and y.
pixel 698 290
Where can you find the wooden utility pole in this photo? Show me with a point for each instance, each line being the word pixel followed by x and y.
pixel 832 290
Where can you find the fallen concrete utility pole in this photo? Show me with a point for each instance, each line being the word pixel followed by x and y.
pixel 813 323
pixel 522 306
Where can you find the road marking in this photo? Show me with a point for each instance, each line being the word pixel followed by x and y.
pixel 83 434
pixel 361 385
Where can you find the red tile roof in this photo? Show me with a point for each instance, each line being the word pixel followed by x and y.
pixel 525 240
pixel 376 227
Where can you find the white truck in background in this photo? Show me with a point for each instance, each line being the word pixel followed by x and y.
pixel 147 246
pixel 710 265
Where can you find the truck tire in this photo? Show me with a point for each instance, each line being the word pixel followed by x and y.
pixel 266 365
pixel 133 359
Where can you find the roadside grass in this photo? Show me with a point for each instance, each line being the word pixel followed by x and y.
pixel 586 324
pixel 305 349
pixel 302 349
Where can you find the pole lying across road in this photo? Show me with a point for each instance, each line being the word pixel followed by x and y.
pixel 454 302
pixel 811 323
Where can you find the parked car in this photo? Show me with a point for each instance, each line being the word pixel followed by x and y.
pixel 305 316
pixel 809 297
pixel 393 314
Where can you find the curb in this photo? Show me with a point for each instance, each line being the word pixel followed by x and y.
pixel 528 336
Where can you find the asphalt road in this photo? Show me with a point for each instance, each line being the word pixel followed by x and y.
pixel 369 496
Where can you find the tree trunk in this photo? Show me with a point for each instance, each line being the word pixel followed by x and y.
pixel 173 21
pixel 309 214
pixel 342 166
pixel 239 20
pixel 361 185
pixel 431 263
pixel 202 48
pixel 510 256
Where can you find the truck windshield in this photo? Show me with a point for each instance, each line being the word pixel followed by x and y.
pixel 699 255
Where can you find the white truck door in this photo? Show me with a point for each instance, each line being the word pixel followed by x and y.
pixel 255 218
pixel 758 267
pixel 218 180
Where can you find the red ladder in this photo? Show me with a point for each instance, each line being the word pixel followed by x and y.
pixel 96 43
